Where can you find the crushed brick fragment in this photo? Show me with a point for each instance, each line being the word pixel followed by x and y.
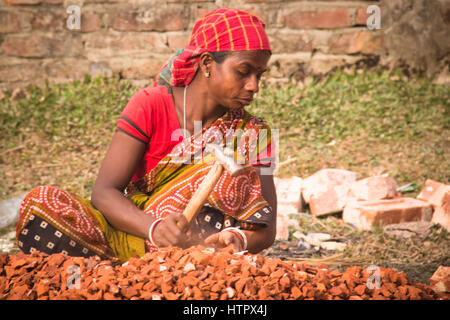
pixel 203 275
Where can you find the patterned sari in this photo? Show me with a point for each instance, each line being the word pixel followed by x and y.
pixel 52 220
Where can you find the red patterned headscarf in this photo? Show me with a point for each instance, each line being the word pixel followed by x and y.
pixel 219 30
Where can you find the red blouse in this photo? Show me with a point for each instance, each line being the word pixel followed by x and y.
pixel 151 118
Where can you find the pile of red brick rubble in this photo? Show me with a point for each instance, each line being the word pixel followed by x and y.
pixel 197 273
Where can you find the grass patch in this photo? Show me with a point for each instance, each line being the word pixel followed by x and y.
pixel 417 257
pixel 58 135
pixel 370 123
pixel 367 123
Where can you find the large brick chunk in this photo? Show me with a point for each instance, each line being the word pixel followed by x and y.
pixel 39 46
pixel 288 201
pixel 28 2
pixel 325 179
pixel 282 227
pixel 337 197
pixel 49 20
pixel 438 195
pixel 373 188
pixel 366 214
pixel 162 20
pixel 91 22
pixel 442 213
pixel 33 46
pixel 289 193
pixel 366 42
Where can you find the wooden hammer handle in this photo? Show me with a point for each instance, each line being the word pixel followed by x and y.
pixel 201 194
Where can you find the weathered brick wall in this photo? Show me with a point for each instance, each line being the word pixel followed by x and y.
pixel 133 38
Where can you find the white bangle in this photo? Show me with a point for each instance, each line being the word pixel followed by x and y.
pixel 151 229
pixel 241 233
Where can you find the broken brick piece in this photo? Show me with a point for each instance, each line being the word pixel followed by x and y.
pixel 441 214
pixel 330 201
pixel 295 292
pixel 373 188
pixel 143 278
pixel 366 214
pixel 433 192
pixel 322 180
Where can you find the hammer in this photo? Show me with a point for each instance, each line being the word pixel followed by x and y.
pixel 223 160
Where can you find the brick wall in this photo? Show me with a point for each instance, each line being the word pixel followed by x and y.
pixel 133 38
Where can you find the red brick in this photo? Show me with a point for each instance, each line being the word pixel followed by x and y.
pixel 90 22
pixel 433 192
pixel 163 20
pixel 446 15
pixel 182 1
pixel 365 42
pixel 442 213
pixel 331 201
pixel 128 292
pixel 289 193
pixel 289 42
pixel 373 188
pixel 361 17
pixel 366 214
pixel 323 180
pixel 440 280
pixel 19 2
pixel 41 289
pixel 317 19
pixel 49 21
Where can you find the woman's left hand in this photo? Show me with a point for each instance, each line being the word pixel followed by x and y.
pixel 225 238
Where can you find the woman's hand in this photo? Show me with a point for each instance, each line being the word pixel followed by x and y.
pixel 223 239
pixel 171 231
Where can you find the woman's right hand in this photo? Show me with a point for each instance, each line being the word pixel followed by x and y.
pixel 171 231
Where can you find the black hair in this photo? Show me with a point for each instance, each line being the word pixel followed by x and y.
pixel 220 56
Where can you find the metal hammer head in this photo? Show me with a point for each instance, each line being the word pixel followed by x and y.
pixel 226 158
